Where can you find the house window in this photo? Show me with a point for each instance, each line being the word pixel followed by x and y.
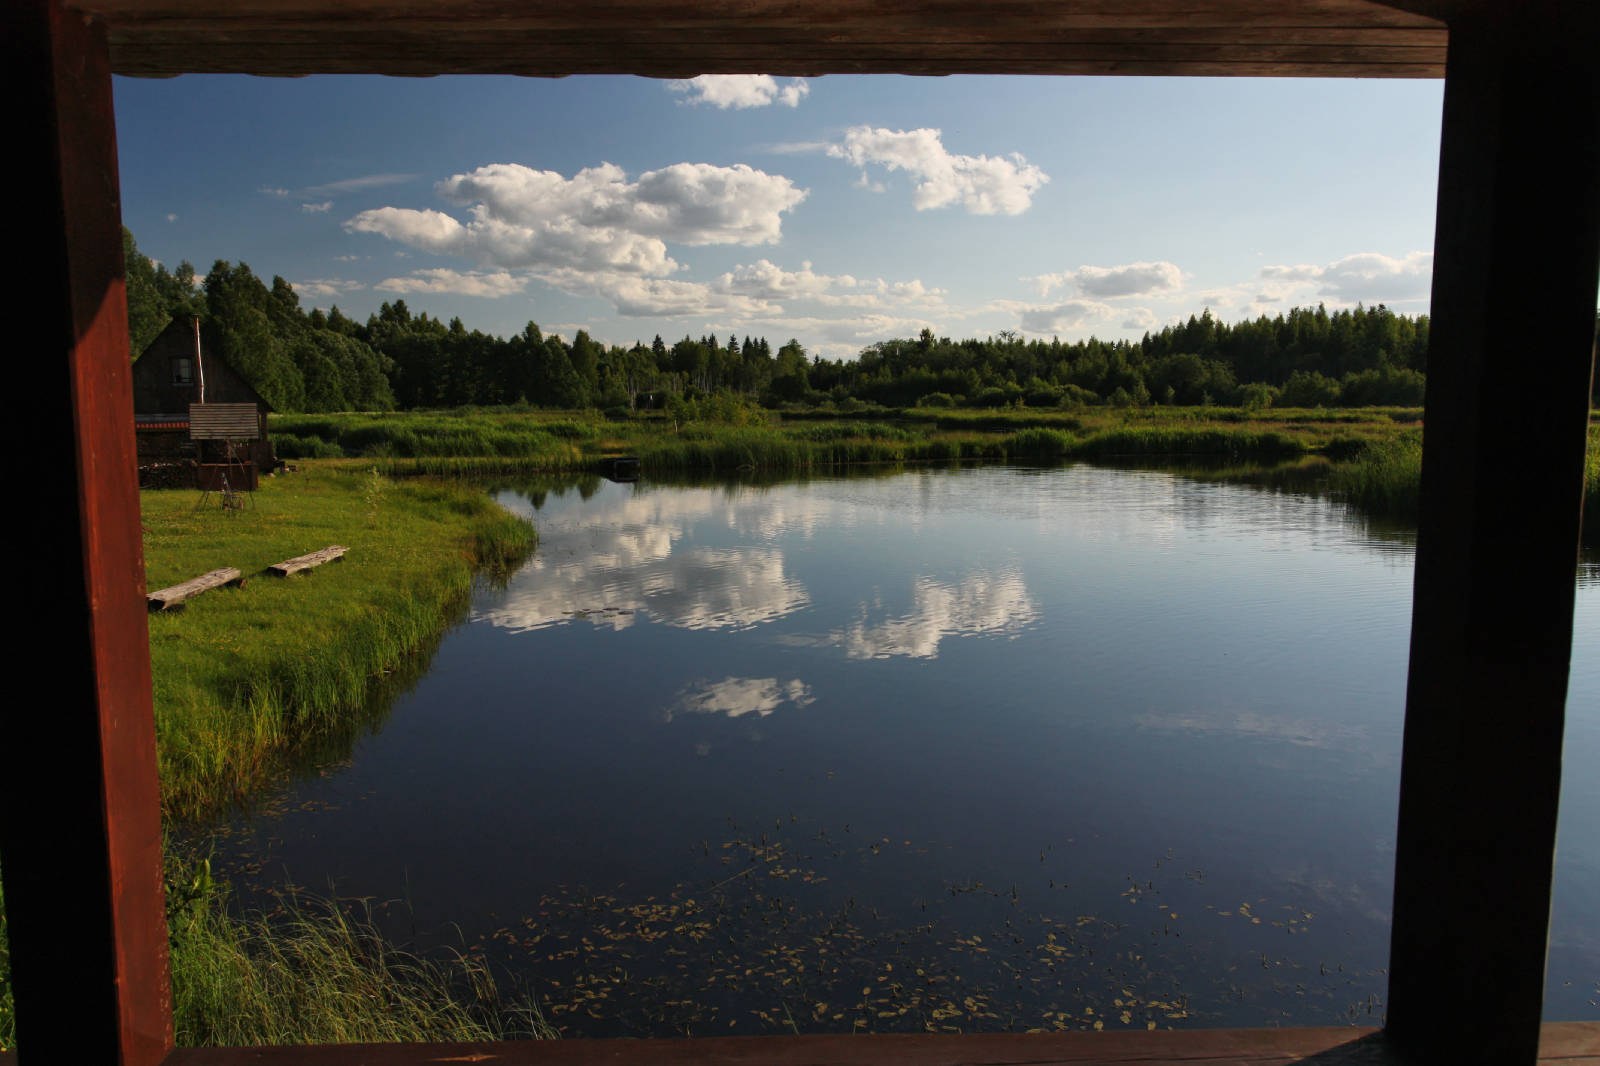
pixel 183 370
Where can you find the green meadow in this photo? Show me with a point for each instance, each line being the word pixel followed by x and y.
pixel 249 680
pixel 723 434
pixel 245 679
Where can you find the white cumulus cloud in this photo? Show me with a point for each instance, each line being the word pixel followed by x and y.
pixel 520 218
pixel 469 283
pixel 1132 279
pixel 317 209
pixel 1369 277
pixel 1055 318
pixel 323 287
pixel 741 90
pixel 984 185
pixel 765 280
pixel 361 184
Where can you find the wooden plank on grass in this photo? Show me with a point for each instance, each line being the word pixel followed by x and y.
pixel 308 561
pixel 161 599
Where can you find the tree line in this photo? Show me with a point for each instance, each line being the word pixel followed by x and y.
pixel 325 361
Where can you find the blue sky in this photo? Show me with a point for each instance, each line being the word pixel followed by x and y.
pixel 840 210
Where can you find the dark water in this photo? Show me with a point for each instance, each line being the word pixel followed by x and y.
pixel 979 749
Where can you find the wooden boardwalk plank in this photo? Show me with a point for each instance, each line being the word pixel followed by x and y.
pixel 161 599
pixel 308 561
pixel 1563 1044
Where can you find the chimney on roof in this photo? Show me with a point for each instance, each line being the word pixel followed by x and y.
pixel 199 366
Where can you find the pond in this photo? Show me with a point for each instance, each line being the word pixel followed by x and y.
pixel 956 749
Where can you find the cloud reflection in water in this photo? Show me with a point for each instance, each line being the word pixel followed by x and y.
pixel 983 602
pixel 738 696
pixel 611 562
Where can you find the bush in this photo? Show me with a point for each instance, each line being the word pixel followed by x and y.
pixel 937 399
pixel 1308 388
pixel 290 446
pixel 1073 396
pixel 1257 397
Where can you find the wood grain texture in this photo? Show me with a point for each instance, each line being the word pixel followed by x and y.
pixel 81 842
pixel 308 561
pixel 161 599
pixel 1565 1043
pixel 1498 537
pixel 682 38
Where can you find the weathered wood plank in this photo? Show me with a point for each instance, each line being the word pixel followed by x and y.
pixel 1565 1043
pixel 84 902
pixel 1491 633
pixel 308 561
pixel 161 599
pixel 680 38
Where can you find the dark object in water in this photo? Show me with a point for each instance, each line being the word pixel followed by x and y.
pixel 620 467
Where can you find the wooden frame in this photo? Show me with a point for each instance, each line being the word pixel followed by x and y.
pixel 1490 644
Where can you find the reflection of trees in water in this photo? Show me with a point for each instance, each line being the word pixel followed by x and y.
pixel 785 933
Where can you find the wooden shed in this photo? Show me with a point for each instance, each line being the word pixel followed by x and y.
pixel 175 373
pixel 1517 262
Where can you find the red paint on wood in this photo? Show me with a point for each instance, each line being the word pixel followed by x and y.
pixel 81 833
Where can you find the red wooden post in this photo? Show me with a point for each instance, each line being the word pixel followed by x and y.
pixel 1517 259
pixel 80 831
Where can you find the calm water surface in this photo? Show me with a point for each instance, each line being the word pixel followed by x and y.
pixel 979 749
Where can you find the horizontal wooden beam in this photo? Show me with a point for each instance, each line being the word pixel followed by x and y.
pixel 682 38
pixel 1564 1044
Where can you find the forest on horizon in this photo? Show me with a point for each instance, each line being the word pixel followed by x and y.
pixel 397 359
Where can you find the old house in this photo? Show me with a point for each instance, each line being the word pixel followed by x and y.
pixel 171 376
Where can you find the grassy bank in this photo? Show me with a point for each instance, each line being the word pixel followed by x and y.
pixel 319 973
pixel 248 679
pixel 728 436
pixel 1386 480
pixel 244 679
pixel 1369 457
pixel 315 973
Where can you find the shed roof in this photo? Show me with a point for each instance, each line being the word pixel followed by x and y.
pixel 683 38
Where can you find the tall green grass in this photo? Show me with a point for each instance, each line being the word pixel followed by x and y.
pixel 1591 489
pixel 506 442
pixel 1229 441
pixel 245 679
pixel 1385 479
pixel 317 972
pixel 432 434
pixel 8 1012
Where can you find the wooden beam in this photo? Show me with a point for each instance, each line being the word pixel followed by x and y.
pixel 308 561
pixel 1516 265
pixel 171 596
pixel 1564 1044
pixel 1239 1047
pixel 682 38
pixel 80 834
